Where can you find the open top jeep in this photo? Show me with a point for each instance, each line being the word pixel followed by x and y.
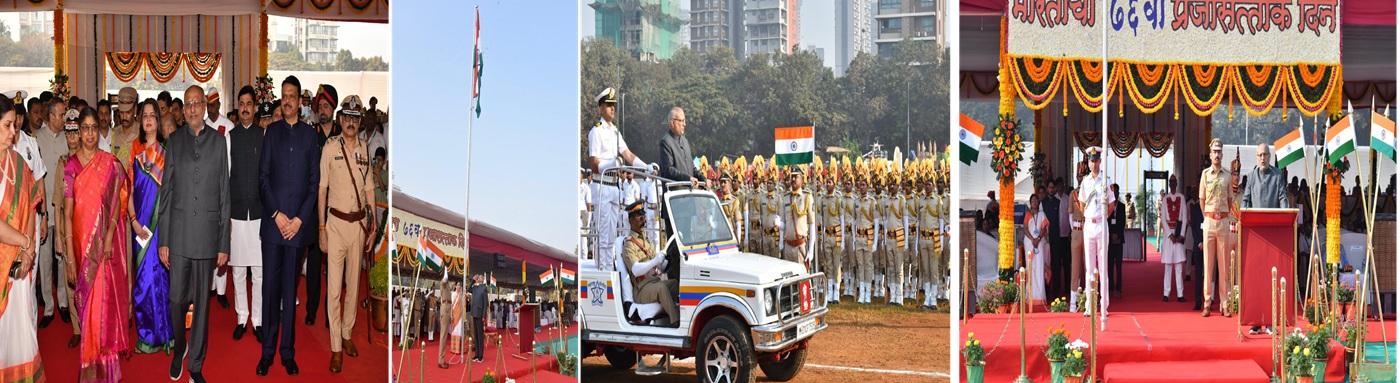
pixel 737 310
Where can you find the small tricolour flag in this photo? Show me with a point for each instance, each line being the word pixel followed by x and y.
pixel 1382 135
pixel 1290 147
pixel 567 276
pixel 547 278
pixel 969 138
pixel 1341 140
pixel 429 254
pixel 793 146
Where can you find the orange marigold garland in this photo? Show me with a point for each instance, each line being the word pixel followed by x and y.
pixel 1006 155
pixel 1334 218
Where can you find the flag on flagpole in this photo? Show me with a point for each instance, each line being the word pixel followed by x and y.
pixel 793 146
pixel 547 278
pixel 429 254
pixel 1290 147
pixel 567 276
pixel 493 279
pixel 1341 140
pixel 1382 134
pixel 970 138
pixel 477 65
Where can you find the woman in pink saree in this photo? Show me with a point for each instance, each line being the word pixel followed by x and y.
pixel 95 192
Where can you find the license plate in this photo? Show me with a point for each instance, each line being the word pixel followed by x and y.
pixel 806 328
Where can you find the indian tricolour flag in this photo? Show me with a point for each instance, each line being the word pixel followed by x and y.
pixel 1341 140
pixel 1290 147
pixel 429 254
pixel 547 278
pixel 1382 134
pixel 793 146
pixel 567 276
pixel 970 138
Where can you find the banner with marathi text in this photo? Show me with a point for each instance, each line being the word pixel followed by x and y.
pixel 410 227
pixel 1267 32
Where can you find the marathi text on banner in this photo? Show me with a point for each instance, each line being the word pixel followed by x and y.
pixel 1263 32
pixel 1059 29
pixel 411 226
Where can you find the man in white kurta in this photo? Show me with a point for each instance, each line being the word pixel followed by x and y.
pixel 1171 211
pixel 1098 201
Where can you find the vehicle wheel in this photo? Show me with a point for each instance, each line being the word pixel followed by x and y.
pixel 620 358
pixel 726 354
pixel 785 369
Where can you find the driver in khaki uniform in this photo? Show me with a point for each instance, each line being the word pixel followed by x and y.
pixel 646 266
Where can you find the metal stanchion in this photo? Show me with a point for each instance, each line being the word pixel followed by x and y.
pixel 1022 304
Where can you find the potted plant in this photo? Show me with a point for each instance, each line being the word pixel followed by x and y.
pixel 1075 363
pixel 1351 331
pixel 1345 297
pixel 1055 350
pixel 379 295
pixel 1300 364
pixel 489 377
pixel 1059 305
pixel 1232 301
pixel 1081 297
pixel 1318 340
pixel 974 359
pixel 1009 295
pixel 989 299
pixel 1295 339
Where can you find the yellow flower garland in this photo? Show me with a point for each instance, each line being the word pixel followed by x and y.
pixel 1334 220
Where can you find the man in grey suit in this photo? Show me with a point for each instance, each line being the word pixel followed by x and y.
pixel 676 162
pixel 194 235
pixel 478 299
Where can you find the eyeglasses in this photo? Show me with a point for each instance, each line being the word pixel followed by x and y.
pixel 680 120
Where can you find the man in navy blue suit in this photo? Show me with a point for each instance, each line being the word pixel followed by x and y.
pixel 289 173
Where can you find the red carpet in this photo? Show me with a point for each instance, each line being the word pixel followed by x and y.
pixel 1140 328
pixel 1219 371
pixel 508 366
pixel 230 360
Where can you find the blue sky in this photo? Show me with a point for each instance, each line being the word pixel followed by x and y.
pixel 524 165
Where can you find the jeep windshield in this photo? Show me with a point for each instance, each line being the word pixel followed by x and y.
pixel 698 219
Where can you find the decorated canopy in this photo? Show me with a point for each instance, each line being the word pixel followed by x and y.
pixel 414 217
pixel 163 36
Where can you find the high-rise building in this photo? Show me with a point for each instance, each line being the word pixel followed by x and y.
pixel 35 22
pixel 853 30
pixel 770 26
pixel 317 40
pixel 819 51
pixel 646 29
pixel 897 20
pixel 715 23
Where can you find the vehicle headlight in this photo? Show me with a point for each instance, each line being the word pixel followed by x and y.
pixel 770 301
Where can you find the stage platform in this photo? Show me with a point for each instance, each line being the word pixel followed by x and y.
pixel 510 365
pixel 1143 335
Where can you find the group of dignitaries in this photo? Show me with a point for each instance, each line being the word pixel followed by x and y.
pixel 1085 225
pixel 145 214
pixel 877 227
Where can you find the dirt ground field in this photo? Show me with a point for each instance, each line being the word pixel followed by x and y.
pixel 876 343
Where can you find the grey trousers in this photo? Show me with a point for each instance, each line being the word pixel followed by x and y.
pixel 189 283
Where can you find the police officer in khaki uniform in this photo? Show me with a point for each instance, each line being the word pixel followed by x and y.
pixel 646 267
pixel 346 194
pixel 833 211
pixel 929 240
pixel 896 239
pixel 1216 196
pixel 913 258
pixel 866 211
pixel 796 209
pixel 771 207
pixel 754 204
pixel 848 214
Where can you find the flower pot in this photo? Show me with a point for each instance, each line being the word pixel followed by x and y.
pixel 1055 371
pixel 1319 370
pixel 1074 379
pixel 1348 311
pixel 974 373
pixel 1004 309
pixel 1304 379
pixel 379 313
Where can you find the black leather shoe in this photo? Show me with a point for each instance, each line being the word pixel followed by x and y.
pixel 310 319
pixel 263 365
pixel 291 366
pixel 1197 307
pixel 46 321
pixel 1164 298
pixel 223 300
pixel 238 331
pixel 1180 299
pixel 196 377
pixel 257 334
pixel 63 314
